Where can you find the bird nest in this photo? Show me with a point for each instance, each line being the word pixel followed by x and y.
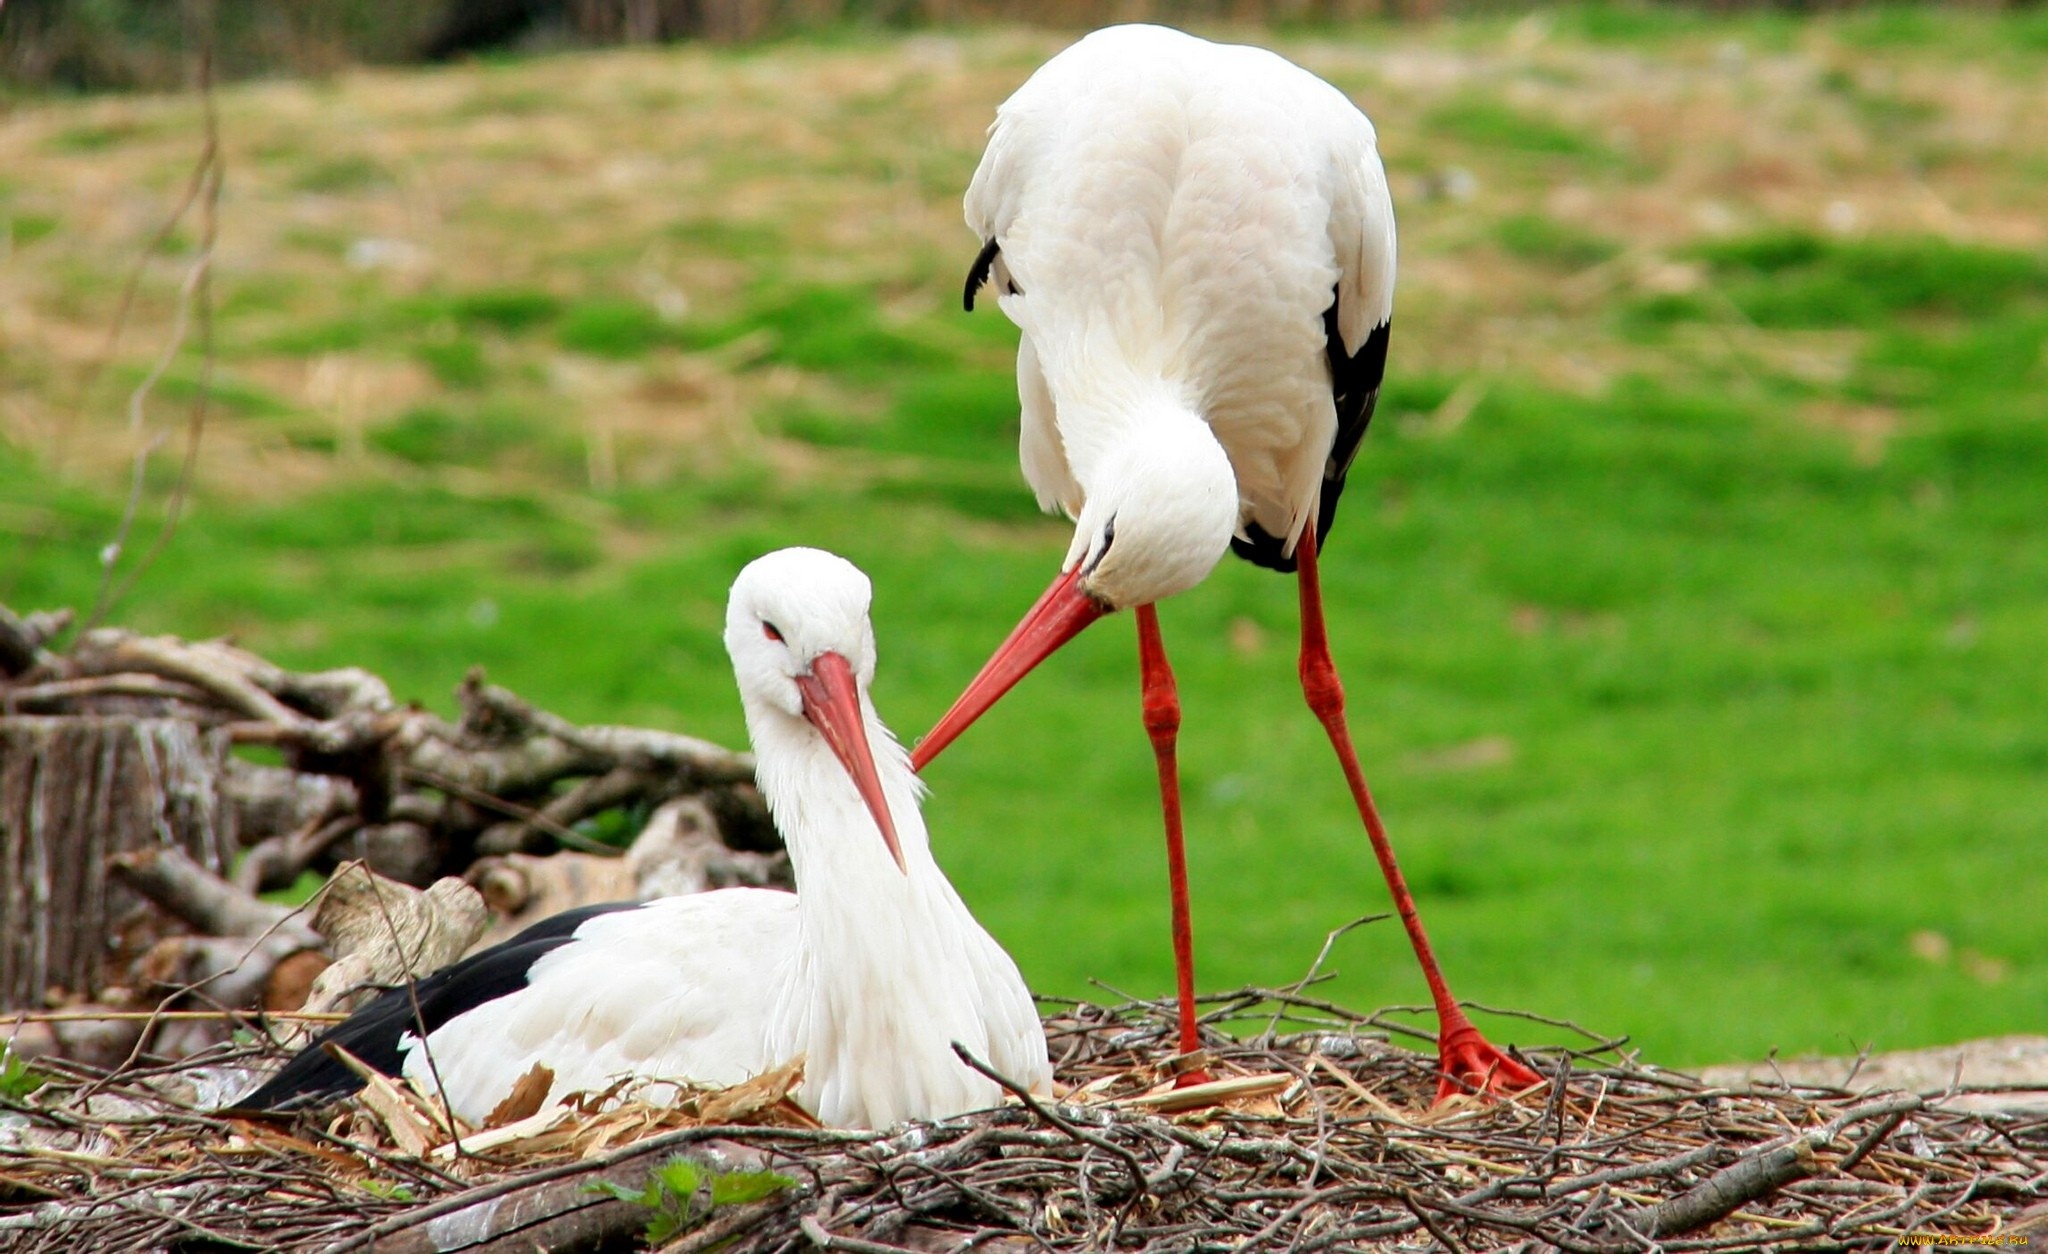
pixel 1318 1133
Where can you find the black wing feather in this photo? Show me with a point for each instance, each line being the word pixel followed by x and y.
pixel 373 1032
pixel 977 274
pixel 1355 383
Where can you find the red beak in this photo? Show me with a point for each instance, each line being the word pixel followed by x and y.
pixel 1060 615
pixel 832 703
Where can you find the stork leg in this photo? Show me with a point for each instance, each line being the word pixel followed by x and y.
pixel 1162 724
pixel 1466 1060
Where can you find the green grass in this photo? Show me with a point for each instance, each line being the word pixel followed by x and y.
pixel 457 363
pixel 1545 240
pixel 1486 123
pixel 1693 685
pixel 1797 279
pixel 611 328
pixel 25 229
pixel 510 310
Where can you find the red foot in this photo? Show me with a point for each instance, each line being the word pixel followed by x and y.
pixel 1469 1063
pixel 1190 1069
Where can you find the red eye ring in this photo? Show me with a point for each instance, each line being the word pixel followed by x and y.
pixel 768 629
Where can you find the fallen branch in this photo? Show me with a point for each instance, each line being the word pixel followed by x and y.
pixel 106 651
pixel 384 933
pixel 209 903
pixel 1726 1191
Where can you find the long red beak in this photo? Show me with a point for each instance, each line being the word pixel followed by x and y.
pixel 1060 615
pixel 832 703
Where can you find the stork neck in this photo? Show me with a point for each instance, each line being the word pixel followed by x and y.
pixel 889 965
pixel 834 846
pixel 1141 420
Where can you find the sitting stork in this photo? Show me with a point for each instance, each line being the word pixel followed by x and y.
pixel 871 971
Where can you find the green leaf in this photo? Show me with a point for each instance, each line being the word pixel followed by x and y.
pixel 736 1188
pixel 388 1190
pixel 649 1197
pixel 17 1078
pixel 680 1176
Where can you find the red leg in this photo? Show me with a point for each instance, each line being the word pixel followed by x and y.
pixel 1162 724
pixel 1467 1061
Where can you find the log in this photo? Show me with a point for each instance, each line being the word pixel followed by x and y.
pixel 679 851
pixel 275 800
pixel 221 672
pixel 684 849
pixel 384 933
pixel 563 1208
pixel 232 972
pixel 120 744
pixel 74 791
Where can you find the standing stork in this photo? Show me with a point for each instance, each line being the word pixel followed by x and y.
pixel 1197 243
pixel 871 971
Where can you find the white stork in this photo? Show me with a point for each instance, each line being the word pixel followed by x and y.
pixel 1197 243
pixel 871 971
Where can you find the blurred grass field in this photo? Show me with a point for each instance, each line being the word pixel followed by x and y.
pixel 1691 592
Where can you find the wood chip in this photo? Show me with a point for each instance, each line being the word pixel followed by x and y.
pixel 1214 1093
pixel 528 1092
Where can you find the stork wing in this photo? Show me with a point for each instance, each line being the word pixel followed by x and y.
pixel 375 1032
pixel 991 204
pixel 1358 322
pixel 1356 327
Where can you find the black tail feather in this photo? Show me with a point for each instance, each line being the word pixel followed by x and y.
pixel 374 1032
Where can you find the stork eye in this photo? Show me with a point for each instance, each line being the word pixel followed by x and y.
pixel 769 630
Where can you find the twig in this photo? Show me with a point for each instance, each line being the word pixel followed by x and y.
pixel 1032 1104
pixel 195 293
pixel 815 1233
pixel 1322 955
pixel 170 1016
pixel 1723 1193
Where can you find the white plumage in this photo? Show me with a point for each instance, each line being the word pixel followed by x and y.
pixel 1174 218
pixel 870 972
pixel 1197 243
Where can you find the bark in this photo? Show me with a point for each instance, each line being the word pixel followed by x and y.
pixel 73 792
pixel 1748 1178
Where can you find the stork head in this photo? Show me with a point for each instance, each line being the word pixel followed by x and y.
pixel 796 625
pixel 1160 516
pixel 1162 505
